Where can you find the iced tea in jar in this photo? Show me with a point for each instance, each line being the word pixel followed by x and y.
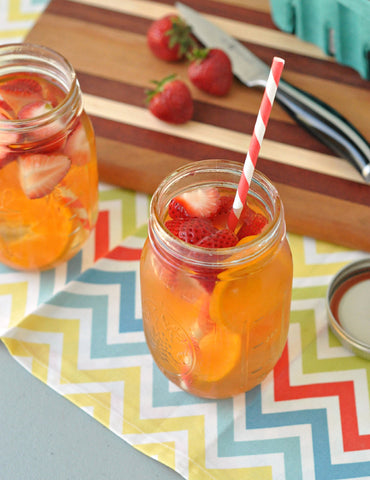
pixel 48 165
pixel 215 303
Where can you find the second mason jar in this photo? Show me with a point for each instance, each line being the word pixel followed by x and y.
pixel 216 320
pixel 48 164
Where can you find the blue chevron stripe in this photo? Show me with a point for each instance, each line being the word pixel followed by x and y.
pixel 227 447
pixel 99 306
pixel 317 419
pixel 47 281
pixel 74 267
pixel 290 447
pixel 5 269
pixel 127 281
pixel 162 397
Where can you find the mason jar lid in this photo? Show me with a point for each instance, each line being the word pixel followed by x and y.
pixel 348 305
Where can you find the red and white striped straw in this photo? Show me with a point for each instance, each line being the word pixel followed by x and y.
pixel 256 141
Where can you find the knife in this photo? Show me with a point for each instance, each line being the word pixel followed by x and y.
pixel 321 120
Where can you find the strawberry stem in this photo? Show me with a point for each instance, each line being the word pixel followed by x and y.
pixel 198 54
pixel 159 85
pixel 180 34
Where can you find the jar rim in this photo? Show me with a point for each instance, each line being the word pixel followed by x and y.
pixel 46 56
pixel 228 256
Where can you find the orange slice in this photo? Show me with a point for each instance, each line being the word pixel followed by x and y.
pixel 36 242
pixel 217 354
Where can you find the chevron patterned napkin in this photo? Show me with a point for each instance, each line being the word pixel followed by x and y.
pixel 78 328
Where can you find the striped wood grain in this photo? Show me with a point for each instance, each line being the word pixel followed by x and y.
pixel 324 196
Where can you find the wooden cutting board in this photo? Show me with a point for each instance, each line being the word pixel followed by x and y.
pixel 105 40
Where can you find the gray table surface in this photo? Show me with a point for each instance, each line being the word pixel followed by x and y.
pixel 43 436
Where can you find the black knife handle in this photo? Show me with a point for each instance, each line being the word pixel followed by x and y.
pixel 325 123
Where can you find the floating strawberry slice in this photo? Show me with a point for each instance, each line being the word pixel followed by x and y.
pixel 219 239
pixel 201 203
pixel 252 226
pixel 174 225
pixel 40 173
pixel 252 222
pixel 19 91
pixel 225 205
pixel 77 146
pixel 7 137
pixel 194 229
pixel 46 131
pixel 34 109
pixel 6 110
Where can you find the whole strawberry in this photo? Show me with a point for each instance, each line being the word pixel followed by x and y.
pixel 210 70
pixel 169 38
pixel 171 100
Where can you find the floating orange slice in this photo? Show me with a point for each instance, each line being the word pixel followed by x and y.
pixel 217 354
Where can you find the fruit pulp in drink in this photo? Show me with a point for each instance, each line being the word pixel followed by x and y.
pixel 48 175
pixel 218 331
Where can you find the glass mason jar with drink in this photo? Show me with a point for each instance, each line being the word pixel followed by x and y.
pixel 48 165
pixel 215 303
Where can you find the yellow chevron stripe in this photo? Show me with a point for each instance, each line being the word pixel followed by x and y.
pixel 18 14
pixel 18 293
pixel 302 269
pixel 132 422
pixel 98 401
pixel 33 351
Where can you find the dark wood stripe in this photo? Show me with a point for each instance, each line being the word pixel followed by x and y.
pixel 233 12
pixel 298 63
pixel 99 16
pixel 107 17
pixel 315 67
pixel 193 151
pixel 206 113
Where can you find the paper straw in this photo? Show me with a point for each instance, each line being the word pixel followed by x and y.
pixel 256 141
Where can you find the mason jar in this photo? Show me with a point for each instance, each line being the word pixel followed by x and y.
pixel 48 164
pixel 216 320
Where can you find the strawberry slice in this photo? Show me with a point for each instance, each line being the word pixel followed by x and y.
pixel 226 204
pixel 19 91
pixel 194 229
pixel 46 131
pixel 219 239
pixel 7 137
pixel 200 202
pixel 77 146
pixel 34 109
pixel 40 173
pixel 6 110
pixel 253 223
pixel 174 226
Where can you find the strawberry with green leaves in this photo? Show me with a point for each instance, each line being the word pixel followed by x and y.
pixel 171 100
pixel 169 38
pixel 210 70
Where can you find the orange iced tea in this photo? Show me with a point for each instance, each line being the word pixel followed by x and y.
pixel 215 303
pixel 48 166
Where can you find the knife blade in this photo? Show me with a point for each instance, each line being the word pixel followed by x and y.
pixel 318 118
